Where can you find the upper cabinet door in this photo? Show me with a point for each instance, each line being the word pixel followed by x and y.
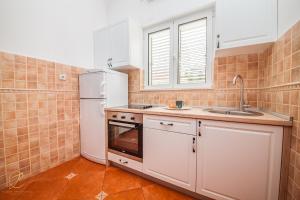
pixel 241 23
pixel 119 37
pixel 101 47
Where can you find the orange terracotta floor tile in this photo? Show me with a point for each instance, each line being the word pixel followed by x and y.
pixel 136 194
pixel 155 191
pixel 89 181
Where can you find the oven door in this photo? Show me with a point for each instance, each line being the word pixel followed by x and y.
pixel 126 137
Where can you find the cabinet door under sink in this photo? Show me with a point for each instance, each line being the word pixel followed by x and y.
pixel 238 161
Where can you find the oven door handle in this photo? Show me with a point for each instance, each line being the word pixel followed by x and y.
pixel 121 124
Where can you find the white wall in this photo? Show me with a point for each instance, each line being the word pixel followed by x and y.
pixel 288 14
pixel 56 30
pixel 151 12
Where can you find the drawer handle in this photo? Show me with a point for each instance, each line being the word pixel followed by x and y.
pixel 194 146
pixel 123 162
pixel 169 124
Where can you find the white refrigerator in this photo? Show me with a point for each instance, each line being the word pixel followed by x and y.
pixel 98 89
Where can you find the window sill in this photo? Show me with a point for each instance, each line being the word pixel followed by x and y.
pixel 176 89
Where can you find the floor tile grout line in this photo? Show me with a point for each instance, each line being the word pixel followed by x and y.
pixel 127 191
pixel 106 168
pixel 143 193
pixel 103 179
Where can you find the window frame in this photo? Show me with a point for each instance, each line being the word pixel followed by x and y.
pixel 173 25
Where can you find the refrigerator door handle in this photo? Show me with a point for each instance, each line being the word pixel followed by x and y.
pixel 102 85
pixel 102 105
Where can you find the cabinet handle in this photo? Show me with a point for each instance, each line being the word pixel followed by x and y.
pixel 169 124
pixel 109 62
pixel 218 44
pixel 199 125
pixel 125 162
pixel 194 147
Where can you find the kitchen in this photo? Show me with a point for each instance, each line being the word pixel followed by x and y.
pixel 150 99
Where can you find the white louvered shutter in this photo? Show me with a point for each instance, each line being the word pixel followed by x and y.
pixel 192 52
pixel 159 57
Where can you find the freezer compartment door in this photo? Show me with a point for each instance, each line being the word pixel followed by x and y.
pixel 92 85
pixel 92 129
pixel 117 89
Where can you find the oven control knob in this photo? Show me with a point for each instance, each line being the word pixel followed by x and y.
pixel 123 117
pixel 132 118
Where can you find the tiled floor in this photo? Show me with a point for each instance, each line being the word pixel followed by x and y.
pixel 90 180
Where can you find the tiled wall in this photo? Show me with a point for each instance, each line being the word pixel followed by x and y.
pixel 224 93
pixel 39 115
pixel 280 92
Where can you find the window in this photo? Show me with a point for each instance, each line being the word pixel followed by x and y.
pixel 178 53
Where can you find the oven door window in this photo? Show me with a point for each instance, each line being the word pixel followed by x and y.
pixel 125 138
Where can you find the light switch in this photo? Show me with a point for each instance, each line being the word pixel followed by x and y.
pixel 63 77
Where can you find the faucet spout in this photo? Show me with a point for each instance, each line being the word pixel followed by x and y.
pixel 242 100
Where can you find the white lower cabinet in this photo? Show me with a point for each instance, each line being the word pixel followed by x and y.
pixel 220 160
pixel 167 155
pixel 238 161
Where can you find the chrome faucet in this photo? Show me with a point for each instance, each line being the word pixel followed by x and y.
pixel 242 100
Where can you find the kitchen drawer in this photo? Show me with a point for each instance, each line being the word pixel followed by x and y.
pixel 173 124
pixel 132 164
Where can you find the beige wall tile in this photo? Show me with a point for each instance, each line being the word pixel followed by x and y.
pixel 283 68
pixel 29 141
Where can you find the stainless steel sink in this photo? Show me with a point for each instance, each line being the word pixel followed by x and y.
pixel 241 111
pixel 233 112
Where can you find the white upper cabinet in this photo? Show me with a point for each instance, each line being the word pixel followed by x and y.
pixel 238 161
pixel 101 47
pixel 240 23
pixel 118 46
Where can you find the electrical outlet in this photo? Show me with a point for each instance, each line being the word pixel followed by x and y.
pixel 63 77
